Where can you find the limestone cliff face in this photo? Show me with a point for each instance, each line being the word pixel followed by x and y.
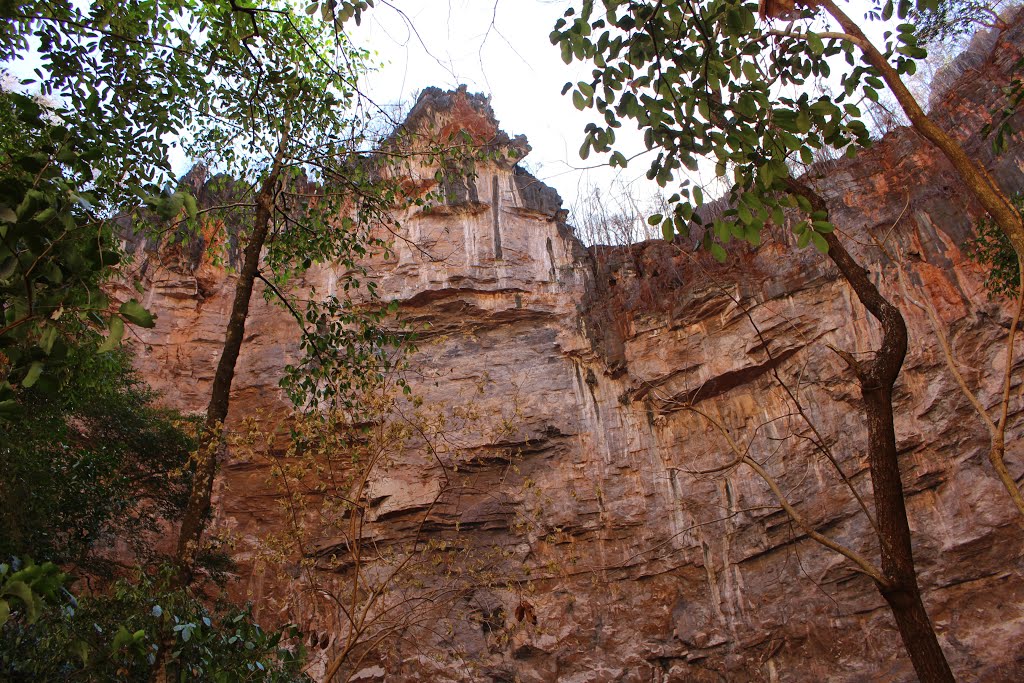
pixel 572 466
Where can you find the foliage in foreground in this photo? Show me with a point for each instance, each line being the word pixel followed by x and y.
pixel 94 462
pixel 117 636
pixel 56 249
pixel 992 249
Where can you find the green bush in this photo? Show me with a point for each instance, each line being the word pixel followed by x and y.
pixel 118 636
pixel 91 463
pixel 991 248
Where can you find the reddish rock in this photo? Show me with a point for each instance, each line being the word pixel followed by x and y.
pixel 582 544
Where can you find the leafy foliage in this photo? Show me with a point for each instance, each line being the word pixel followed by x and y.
pixel 95 461
pixel 134 73
pixel 1004 118
pixel 948 20
pixel 710 86
pixel 991 248
pixel 283 109
pixel 124 81
pixel 55 250
pixel 117 636
pixel 26 587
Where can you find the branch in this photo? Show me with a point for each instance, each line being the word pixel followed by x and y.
pixel 839 35
pixel 865 565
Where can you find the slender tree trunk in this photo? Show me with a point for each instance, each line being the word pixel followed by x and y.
pixel 976 177
pixel 197 510
pixel 877 378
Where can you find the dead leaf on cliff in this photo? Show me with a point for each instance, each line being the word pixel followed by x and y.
pixel 524 610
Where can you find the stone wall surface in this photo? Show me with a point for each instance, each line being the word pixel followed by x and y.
pixel 611 556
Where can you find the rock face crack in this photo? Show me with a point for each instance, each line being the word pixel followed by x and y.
pixel 712 387
pixel 496 217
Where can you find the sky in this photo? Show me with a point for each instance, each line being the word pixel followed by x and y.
pixel 496 47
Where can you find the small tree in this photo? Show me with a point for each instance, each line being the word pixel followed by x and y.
pixel 363 595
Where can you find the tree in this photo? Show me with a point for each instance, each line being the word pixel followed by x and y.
pixel 114 636
pixel 707 81
pixel 262 93
pixel 992 250
pixel 291 136
pixel 616 215
pixel 709 84
pixel 124 81
pixel 954 19
pixel 366 598
pixel 56 249
pixel 95 462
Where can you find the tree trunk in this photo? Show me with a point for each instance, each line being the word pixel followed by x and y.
pixel 197 510
pixel 877 378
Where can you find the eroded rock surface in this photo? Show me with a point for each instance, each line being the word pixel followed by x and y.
pixel 566 375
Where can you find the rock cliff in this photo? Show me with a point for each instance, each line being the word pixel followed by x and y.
pixel 560 522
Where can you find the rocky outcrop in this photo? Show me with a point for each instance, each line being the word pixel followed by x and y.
pixel 573 524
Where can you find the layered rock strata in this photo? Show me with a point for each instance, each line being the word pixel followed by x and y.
pixel 566 377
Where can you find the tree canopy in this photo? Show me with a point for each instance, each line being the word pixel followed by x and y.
pixel 712 85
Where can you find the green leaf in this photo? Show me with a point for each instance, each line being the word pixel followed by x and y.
pixel 803 122
pixel 718 252
pixel 7 267
pixel 113 339
pixel 819 242
pixel 32 376
pixel 122 638
pixel 9 408
pixel 20 590
pixel 136 314
pixel 5 612
pixel 47 339
pixel 45 216
pixel 190 206
pixel 815 44
pixel 81 649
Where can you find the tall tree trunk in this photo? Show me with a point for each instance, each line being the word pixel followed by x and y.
pixel 877 378
pixel 197 510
